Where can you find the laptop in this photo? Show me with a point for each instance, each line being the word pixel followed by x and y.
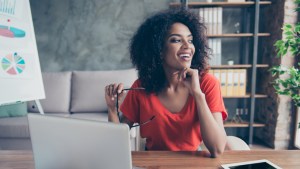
pixel 66 143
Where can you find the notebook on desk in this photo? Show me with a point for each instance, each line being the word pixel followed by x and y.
pixel 65 143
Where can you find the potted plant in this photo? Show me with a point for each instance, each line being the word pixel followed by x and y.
pixel 290 85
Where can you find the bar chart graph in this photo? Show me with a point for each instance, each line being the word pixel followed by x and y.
pixel 8 7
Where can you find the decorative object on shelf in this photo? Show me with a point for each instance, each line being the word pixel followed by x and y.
pixel 246 112
pixel 237 27
pixel 237 117
pixel 230 62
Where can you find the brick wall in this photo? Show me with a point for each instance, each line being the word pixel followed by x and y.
pixel 275 111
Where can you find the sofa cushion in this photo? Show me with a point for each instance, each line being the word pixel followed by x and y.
pixel 13 110
pixel 57 89
pixel 88 88
pixel 14 127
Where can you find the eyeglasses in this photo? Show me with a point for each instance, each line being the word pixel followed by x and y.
pixel 117 105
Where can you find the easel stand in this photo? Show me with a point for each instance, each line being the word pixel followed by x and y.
pixel 39 106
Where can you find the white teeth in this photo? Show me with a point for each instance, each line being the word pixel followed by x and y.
pixel 184 55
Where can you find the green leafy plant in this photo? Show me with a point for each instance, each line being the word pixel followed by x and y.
pixel 289 86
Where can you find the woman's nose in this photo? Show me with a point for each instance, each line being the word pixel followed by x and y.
pixel 185 44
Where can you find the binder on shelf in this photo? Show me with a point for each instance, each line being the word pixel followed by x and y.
pixel 242 82
pixel 236 79
pixel 214 47
pixel 205 15
pixel 214 21
pixel 223 79
pixel 219 20
pixel 212 57
pixel 201 15
pixel 217 74
pixel 210 20
pixel 218 51
pixel 229 87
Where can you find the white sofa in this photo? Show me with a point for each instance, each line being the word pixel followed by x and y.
pixel 76 94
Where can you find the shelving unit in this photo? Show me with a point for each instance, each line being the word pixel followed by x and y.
pixel 244 124
pixel 246 96
pixel 252 34
pixel 223 4
pixel 240 35
pixel 239 66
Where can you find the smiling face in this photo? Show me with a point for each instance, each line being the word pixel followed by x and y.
pixel 178 48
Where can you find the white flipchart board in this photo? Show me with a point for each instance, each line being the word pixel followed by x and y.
pixel 20 72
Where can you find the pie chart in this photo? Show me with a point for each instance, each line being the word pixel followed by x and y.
pixel 11 32
pixel 13 64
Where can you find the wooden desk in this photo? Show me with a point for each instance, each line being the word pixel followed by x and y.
pixel 287 159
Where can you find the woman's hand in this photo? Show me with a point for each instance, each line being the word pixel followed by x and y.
pixel 111 95
pixel 190 78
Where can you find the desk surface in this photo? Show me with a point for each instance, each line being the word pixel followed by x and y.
pixel 287 159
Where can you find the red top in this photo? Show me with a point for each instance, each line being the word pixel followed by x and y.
pixel 171 131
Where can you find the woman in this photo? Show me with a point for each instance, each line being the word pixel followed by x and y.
pixel 170 53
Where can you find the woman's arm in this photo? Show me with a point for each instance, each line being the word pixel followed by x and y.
pixel 211 126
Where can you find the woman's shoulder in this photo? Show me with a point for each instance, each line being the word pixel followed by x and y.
pixel 208 78
pixel 137 83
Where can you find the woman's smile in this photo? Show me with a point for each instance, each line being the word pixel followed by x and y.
pixel 185 56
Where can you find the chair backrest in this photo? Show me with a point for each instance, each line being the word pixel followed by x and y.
pixel 233 143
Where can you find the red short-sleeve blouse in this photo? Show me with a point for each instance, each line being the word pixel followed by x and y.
pixel 171 131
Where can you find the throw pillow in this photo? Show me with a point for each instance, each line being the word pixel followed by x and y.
pixel 19 109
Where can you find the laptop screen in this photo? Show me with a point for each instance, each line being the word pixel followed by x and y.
pixel 66 143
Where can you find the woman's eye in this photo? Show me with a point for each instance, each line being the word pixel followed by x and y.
pixel 175 40
pixel 190 41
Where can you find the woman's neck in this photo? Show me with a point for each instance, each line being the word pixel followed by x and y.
pixel 173 80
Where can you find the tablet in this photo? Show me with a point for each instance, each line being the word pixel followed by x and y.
pixel 257 164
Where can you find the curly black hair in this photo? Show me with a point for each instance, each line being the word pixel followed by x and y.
pixel 147 44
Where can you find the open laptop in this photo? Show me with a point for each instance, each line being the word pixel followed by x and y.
pixel 66 143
